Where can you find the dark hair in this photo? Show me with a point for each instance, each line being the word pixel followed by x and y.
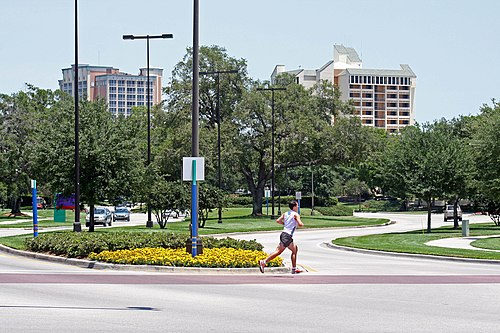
pixel 292 204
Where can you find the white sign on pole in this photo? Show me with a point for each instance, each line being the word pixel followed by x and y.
pixel 298 195
pixel 187 168
pixel 267 193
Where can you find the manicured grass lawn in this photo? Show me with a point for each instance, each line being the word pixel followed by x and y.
pixel 45 219
pixel 488 243
pixel 234 220
pixel 240 220
pixel 414 242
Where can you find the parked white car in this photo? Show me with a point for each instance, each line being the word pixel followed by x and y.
pixel 449 213
pixel 102 215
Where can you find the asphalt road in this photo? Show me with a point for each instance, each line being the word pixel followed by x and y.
pixel 342 292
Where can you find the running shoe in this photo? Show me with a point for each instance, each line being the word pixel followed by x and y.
pixel 296 270
pixel 262 264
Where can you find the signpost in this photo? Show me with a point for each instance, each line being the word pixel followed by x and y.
pixel 35 208
pixel 267 193
pixel 193 169
pixel 298 196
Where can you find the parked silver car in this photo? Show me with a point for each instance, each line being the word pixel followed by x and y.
pixel 449 213
pixel 102 215
pixel 121 213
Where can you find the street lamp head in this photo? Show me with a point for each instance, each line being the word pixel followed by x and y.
pixel 167 36
pixel 128 37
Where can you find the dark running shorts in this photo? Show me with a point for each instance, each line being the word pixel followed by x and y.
pixel 286 239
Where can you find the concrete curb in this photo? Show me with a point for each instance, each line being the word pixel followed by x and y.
pixel 83 263
pixel 410 255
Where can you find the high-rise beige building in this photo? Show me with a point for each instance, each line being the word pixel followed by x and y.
pixel 383 98
pixel 120 90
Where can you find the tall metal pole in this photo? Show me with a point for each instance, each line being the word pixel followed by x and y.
pixel 77 226
pixel 196 77
pixel 272 154
pixel 195 139
pixel 312 191
pixel 272 89
pixel 149 222
pixel 219 170
pixel 219 143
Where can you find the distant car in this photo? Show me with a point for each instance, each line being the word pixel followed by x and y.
pixel 449 213
pixel 121 213
pixel 102 215
pixel 171 214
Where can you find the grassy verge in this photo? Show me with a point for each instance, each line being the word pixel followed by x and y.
pixel 234 220
pixel 488 243
pixel 240 220
pixel 414 242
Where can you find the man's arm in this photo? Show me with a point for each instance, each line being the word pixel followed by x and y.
pixel 281 219
pixel 299 221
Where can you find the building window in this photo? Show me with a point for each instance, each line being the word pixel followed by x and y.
pixel 121 82
pixel 112 96
pixel 121 96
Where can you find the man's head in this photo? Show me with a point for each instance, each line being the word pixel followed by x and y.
pixel 293 204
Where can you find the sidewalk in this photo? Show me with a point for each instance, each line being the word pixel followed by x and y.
pixel 460 243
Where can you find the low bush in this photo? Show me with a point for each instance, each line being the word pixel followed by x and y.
pixel 76 245
pixel 239 201
pixel 211 257
pixel 338 210
pixel 382 205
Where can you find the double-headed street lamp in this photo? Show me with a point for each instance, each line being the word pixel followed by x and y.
pixel 272 89
pixel 149 223
pixel 219 170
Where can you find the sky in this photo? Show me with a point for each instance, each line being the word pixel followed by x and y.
pixel 451 45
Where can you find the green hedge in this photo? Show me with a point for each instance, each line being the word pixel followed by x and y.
pixel 73 244
pixel 382 205
pixel 306 201
pixel 339 210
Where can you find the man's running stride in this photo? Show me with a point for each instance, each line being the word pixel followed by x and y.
pixel 290 220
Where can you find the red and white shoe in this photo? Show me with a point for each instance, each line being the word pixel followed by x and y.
pixel 262 265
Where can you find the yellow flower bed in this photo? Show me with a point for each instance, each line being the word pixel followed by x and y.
pixel 216 257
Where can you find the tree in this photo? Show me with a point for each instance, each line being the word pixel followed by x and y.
pixel 111 161
pixel 17 123
pixel 420 162
pixel 166 198
pixel 356 188
pixel 210 197
pixel 486 152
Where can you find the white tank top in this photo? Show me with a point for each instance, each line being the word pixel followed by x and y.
pixel 289 222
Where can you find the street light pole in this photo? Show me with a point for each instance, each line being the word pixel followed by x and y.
pixel 77 226
pixel 272 89
pixel 219 169
pixel 149 223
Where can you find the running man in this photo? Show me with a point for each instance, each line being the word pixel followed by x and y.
pixel 290 220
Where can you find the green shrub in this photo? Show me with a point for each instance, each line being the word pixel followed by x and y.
pixel 239 200
pixel 338 210
pixel 75 245
pixel 382 205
